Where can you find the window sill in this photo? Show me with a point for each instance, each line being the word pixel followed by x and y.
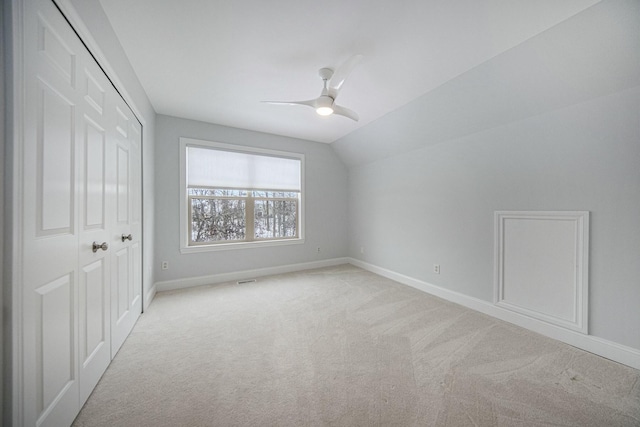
pixel 239 245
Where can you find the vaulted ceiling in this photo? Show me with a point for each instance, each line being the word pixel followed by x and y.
pixel 215 61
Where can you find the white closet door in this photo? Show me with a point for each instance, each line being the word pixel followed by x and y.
pixel 80 176
pixel 135 139
pixel 126 271
pixel 50 218
pixel 96 174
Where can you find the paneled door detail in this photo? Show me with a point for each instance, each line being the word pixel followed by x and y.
pixel 95 205
pixel 50 219
pixel 80 229
pixel 126 272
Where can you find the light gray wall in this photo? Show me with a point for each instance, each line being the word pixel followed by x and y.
pixel 96 22
pixel 435 205
pixel 325 203
pixel 592 54
pixel 552 124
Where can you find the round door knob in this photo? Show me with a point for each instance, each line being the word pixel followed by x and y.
pixel 104 246
pixel 125 237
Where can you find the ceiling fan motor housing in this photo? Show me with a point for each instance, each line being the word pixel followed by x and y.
pixel 324 101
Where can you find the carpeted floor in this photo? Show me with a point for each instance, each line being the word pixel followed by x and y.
pixel 343 347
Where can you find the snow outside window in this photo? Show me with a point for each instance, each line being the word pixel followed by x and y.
pixel 240 195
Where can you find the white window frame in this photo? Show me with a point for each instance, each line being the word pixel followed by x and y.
pixel 184 198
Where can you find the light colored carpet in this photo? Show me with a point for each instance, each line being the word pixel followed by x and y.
pixel 343 347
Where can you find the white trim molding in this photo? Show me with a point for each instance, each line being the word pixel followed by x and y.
pixel 541 266
pixel 212 279
pixel 14 95
pixel 149 296
pixel 608 349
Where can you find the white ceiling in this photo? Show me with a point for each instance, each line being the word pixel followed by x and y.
pixel 215 61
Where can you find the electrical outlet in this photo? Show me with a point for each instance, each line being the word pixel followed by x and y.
pixel 436 268
pixel 165 265
pixel 318 250
pixel 362 250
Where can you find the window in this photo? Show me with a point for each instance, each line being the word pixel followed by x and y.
pixel 239 196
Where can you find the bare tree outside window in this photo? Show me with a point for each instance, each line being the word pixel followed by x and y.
pixel 275 218
pixel 222 215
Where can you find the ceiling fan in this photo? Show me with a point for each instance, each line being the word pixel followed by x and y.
pixel 333 81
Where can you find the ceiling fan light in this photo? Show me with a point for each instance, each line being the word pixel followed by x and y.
pixel 324 105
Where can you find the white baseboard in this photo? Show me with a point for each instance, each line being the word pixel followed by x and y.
pixel 619 353
pixel 189 282
pixel 149 296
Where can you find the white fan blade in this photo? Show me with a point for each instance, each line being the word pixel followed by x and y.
pixel 310 103
pixel 343 111
pixel 341 74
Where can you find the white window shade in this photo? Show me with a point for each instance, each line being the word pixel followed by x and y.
pixel 208 167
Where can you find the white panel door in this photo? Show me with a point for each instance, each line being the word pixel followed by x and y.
pixel 96 203
pixel 80 185
pixel 126 275
pixel 50 218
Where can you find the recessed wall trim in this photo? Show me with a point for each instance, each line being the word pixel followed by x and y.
pixel 542 264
